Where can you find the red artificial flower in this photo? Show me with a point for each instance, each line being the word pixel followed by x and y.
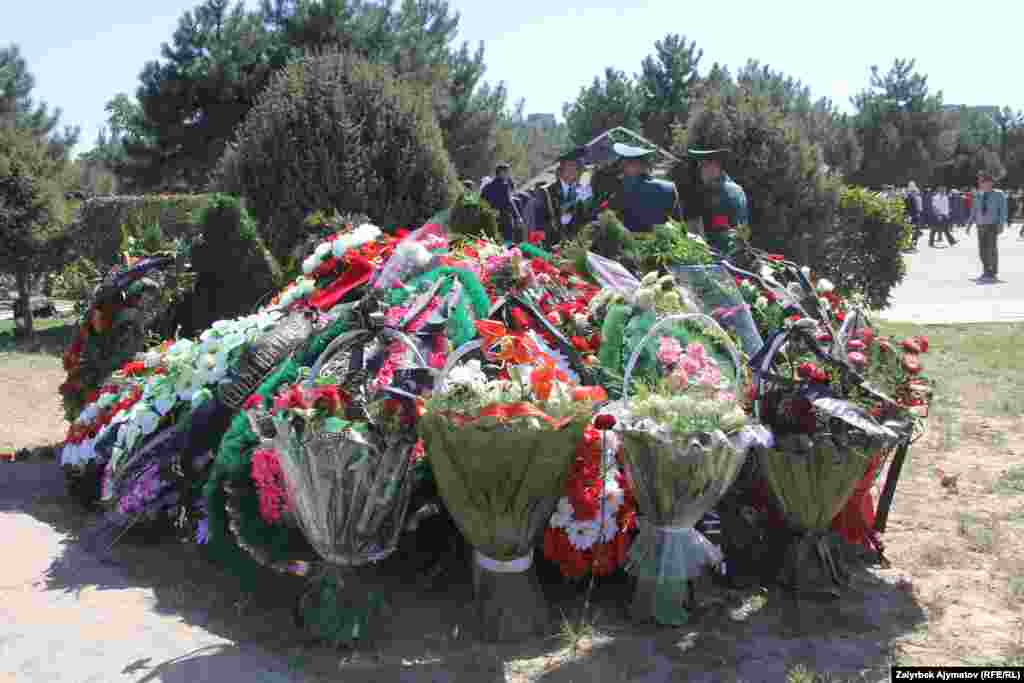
pixel 254 401
pixel 884 345
pixel 536 237
pixel 604 205
pixel 922 342
pixel 580 344
pixel 604 421
pixel 857 358
pixel 912 345
pixel 855 345
pixel 794 318
pixel 823 337
pixel 912 363
pixel 594 393
pixel 865 334
pixel 775 257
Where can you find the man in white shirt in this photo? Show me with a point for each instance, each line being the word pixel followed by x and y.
pixel 561 210
pixel 940 209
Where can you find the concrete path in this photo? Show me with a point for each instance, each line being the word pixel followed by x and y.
pixel 940 286
pixel 106 632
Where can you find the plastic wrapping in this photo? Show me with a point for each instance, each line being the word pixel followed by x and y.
pixel 500 480
pixel 714 289
pixel 676 480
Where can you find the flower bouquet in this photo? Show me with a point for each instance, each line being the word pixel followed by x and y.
pixel 500 436
pixel 825 441
pixel 683 448
pixel 344 472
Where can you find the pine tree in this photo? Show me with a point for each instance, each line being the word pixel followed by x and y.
pixel 666 86
pixel 607 103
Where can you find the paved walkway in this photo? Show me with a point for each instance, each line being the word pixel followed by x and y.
pixel 940 287
pixel 106 632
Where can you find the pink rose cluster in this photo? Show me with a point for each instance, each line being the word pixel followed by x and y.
pixel 692 365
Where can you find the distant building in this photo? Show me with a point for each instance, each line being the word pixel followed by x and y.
pixel 541 121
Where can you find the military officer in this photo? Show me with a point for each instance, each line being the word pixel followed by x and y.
pixel 560 203
pixel 725 202
pixel 644 201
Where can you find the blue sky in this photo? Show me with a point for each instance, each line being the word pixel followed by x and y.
pixel 82 54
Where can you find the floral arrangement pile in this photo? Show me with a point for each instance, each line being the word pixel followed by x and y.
pixel 449 364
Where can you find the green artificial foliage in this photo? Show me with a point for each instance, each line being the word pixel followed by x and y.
pixel 232 464
pixel 471 216
pixel 337 131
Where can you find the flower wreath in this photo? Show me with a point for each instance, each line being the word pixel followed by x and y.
pixel 592 527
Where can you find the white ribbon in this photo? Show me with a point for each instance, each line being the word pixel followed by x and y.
pixel 516 566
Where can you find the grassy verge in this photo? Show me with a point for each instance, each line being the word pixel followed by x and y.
pixel 980 367
pixel 51 336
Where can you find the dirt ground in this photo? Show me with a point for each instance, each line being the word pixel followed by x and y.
pixel 952 595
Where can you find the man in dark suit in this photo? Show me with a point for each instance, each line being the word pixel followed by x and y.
pixel 643 201
pixel 560 204
pixel 725 205
pixel 498 193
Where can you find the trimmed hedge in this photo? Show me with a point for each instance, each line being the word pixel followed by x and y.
pixel 234 269
pixel 335 131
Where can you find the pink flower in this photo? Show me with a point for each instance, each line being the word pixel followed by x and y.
pixel 436 360
pixel 711 376
pixel 669 351
pixel 689 365
pixel 697 352
pixel 679 379
pixel 857 358
pixel 394 315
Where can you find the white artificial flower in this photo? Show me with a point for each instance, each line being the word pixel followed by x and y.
pixel 338 249
pixel 309 264
pixel 563 514
pixel 469 374
pixel 649 279
pixel 824 286
pixel 795 290
pixel 233 340
pixel 583 535
pixel 322 250
pixel 645 298
pixel 806 271
pixel 761 302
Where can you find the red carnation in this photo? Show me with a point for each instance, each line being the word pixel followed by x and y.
pixel 775 257
pixel 536 237
pixel 604 421
pixel 579 343
pixel 254 401
pixel 604 205
pixel 922 341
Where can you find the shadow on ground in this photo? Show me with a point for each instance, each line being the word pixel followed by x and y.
pixel 754 635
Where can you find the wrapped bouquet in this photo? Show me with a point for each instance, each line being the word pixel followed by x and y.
pixel 685 437
pixel 500 433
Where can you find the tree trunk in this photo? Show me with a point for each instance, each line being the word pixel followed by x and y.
pixel 25 326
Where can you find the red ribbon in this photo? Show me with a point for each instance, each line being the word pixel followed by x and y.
pixel 509 411
pixel 357 275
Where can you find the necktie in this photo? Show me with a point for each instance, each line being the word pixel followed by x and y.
pixel 571 195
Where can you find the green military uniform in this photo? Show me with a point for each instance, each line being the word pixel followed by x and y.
pixel 562 211
pixel 725 206
pixel 644 202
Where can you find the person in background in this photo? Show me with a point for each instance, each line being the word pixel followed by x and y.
pixel 725 203
pixel 956 207
pixel 914 210
pixel 941 217
pixel 968 207
pixel 560 203
pixel 642 200
pixel 468 185
pixel 498 193
pixel 989 214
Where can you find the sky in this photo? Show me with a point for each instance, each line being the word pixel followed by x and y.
pixel 84 53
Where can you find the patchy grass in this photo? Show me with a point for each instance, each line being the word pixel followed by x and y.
pixel 51 336
pixel 1011 482
pixel 983 365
